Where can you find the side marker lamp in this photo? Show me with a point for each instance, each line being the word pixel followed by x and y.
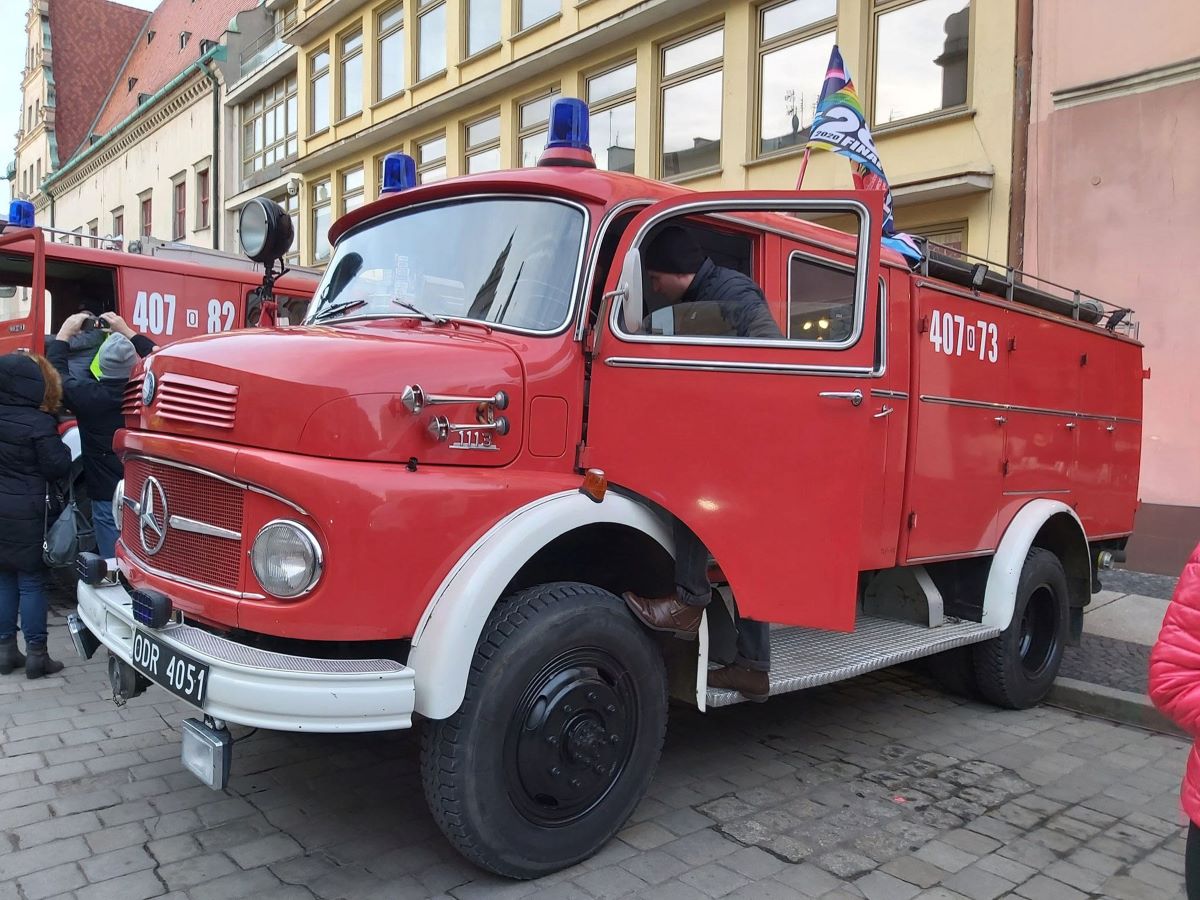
pixel 399 173
pixel 595 485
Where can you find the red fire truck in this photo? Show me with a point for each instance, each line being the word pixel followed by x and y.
pixel 425 503
pixel 165 290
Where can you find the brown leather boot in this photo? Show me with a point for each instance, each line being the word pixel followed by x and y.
pixel 750 683
pixel 668 614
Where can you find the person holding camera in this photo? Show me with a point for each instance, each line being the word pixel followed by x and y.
pixel 96 403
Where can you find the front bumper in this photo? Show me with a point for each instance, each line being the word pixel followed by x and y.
pixel 263 689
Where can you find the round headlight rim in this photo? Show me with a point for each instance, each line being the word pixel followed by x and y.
pixel 318 557
pixel 118 501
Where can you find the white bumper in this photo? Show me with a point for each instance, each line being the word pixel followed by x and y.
pixel 259 688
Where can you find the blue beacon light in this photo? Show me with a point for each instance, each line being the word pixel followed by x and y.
pixel 20 214
pixel 568 144
pixel 399 173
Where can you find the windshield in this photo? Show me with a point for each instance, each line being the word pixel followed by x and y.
pixel 507 261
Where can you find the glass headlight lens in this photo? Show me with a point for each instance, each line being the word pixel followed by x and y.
pixel 286 559
pixel 118 502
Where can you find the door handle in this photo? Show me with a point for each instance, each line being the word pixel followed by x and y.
pixel 855 397
pixel 1070 426
pixel 886 411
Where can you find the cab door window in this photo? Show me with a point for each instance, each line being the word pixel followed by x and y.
pixel 821 305
pixel 16 278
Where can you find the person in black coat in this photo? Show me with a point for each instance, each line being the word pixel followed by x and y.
pixel 31 452
pixel 680 272
pixel 97 407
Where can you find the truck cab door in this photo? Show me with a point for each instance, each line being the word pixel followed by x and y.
pixel 23 297
pixel 757 444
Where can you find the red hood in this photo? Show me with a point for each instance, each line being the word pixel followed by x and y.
pixel 331 392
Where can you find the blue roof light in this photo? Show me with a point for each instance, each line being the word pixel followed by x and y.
pixel 399 173
pixel 20 213
pixel 569 125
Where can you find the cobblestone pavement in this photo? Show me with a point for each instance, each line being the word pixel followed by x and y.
pixel 1125 581
pixel 882 787
pixel 1124 665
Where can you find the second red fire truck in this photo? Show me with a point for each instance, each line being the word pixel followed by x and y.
pixel 423 504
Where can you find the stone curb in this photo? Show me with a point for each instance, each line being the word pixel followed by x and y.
pixel 1125 707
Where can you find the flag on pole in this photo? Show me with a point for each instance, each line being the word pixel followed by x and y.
pixel 840 125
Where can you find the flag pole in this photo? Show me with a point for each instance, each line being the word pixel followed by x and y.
pixel 803 166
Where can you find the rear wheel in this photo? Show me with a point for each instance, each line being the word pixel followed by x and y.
pixel 1017 668
pixel 558 734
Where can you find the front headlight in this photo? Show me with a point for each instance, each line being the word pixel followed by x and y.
pixel 286 559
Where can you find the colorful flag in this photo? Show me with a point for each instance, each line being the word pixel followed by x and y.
pixel 840 125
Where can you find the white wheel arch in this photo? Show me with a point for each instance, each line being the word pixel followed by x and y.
pixel 446 636
pixel 1000 596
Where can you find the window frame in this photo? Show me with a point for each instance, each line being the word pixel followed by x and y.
pixel 469 54
pixel 763 48
pixel 552 93
pixel 424 8
pixel 344 58
pixel 663 83
pixel 271 101
pixel 613 100
pixel 203 197
pixel 118 222
pixel 523 26
pixel 441 162
pixel 179 207
pixel 146 213
pixel 360 192
pixel 381 35
pixel 859 312
pixel 315 75
pixel 314 206
pixel 931 232
pixel 291 206
pixel 497 143
pixel 880 8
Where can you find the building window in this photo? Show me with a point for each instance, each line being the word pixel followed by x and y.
pixel 691 104
pixel 350 64
pixel 795 40
pixel 921 57
pixel 147 214
pixel 93 227
pixel 534 124
pixel 269 126
pixel 483 25
pixel 318 112
pixel 203 188
pixel 38 181
pixel 431 159
pixel 291 205
pixel 321 220
pixel 178 209
pixel 483 145
pixel 610 97
pixel 431 38
pixel 535 11
pixel 353 185
pixel 391 52
pixel 952 238
pixel 118 222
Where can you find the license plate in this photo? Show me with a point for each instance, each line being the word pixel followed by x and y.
pixel 177 672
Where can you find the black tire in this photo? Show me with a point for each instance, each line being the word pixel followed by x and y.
pixel 1016 669
pixel 558 736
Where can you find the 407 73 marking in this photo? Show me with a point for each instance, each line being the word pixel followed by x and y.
pixel 953 335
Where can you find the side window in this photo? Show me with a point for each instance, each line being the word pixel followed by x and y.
pixel 16 278
pixel 76 287
pixel 820 301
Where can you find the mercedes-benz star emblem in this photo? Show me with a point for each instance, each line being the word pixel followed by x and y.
pixel 149 385
pixel 152 517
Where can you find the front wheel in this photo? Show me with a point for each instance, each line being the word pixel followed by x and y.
pixel 1017 668
pixel 558 734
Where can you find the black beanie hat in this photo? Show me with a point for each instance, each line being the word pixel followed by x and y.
pixel 674 251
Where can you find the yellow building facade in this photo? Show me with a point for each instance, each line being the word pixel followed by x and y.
pixel 712 95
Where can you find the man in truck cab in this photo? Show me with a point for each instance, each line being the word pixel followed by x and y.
pixel 680 272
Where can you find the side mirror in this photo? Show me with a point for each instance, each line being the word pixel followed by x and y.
pixel 630 287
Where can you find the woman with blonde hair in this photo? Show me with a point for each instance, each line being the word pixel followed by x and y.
pixel 31 455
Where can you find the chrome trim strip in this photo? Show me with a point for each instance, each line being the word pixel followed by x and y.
pixel 182 523
pixel 589 281
pixel 180 579
pixel 239 484
pixel 1036 410
pixel 715 365
pixel 734 205
pixel 318 571
pixel 896 395
pixel 971 554
pixel 1036 493
pixel 447 201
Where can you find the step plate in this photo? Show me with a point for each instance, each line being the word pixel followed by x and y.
pixel 807 657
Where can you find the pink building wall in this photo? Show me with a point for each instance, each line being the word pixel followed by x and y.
pixel 1113 208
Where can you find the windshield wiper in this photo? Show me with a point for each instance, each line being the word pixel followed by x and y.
pixel 436 320
pixel 330 311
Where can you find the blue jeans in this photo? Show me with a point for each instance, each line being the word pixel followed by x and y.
pixel 105 528
pixel 24 592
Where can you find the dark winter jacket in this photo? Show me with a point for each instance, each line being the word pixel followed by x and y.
pixel 741 302
pixel 30 452
pixel 97 408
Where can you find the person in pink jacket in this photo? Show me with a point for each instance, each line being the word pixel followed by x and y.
pixel 1175 689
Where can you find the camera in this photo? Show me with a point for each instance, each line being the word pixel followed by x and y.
pixel 94 322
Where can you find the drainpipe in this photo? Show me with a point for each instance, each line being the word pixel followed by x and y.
pixel 1022 92
pixel 214 185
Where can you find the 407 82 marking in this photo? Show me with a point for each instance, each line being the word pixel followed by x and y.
pixel 953 335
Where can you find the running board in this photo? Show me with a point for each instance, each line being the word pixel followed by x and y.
pixel 807 657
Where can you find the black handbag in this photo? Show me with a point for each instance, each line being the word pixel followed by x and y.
pixel 67 532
